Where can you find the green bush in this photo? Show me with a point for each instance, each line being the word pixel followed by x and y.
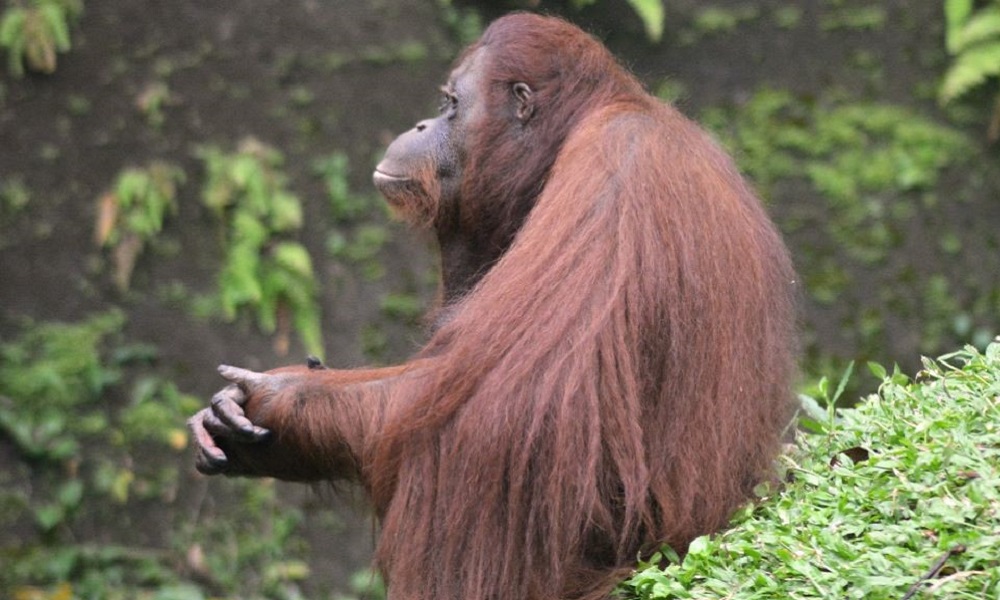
pixel 132 213
pixel 98 442
pixel 51 377
pixel 973 40
pixel 900 493
pixel 36 32
pixel 265 273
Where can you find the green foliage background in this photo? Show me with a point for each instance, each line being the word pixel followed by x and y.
pixel 907 480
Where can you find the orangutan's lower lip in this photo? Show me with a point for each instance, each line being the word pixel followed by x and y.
pixel 382 177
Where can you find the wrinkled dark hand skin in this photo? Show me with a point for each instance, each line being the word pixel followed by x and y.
pixel 226 441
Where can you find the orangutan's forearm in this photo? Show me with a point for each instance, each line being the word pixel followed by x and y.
pixel 323 422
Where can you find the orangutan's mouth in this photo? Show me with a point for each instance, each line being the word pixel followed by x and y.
pixel 381 177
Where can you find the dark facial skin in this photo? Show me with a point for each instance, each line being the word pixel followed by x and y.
pixel 423 167
pixel 423 170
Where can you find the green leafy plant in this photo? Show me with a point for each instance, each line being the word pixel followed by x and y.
pixel 49 378
pixel 264 272
pixel 716 19
pixel 151 417
pixel 151 101
pixel 817 404
pixel 34 31
pixel 133 212
pixel 465 23
pixel 14 196
pixel 868 161
pixel 365 584
pixel 54 379
pixel 98 438
pixel 896 498
pixel 873 173
pixel 973 40
pixel 862 15
pixel 403 307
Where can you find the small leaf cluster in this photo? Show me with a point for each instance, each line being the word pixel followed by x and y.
pixel 264 271
pixel 151 102
pixel 973 40
pixel 14 196
pixel 133 212
pixel 365 584
pixel 896 497
pixel 33 34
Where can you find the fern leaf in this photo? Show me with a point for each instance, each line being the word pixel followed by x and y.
pixel 983 27
pixel 956 13
pixel 12 27
pixel 12 38
pixel 307 324
pixel 651 13
pixel 293 258
pixel 970 69
pixel 55 18
pixel 15 60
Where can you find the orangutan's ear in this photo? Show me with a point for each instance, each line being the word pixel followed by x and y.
pixel 525 98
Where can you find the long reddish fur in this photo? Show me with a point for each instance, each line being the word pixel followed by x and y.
pixel 617 379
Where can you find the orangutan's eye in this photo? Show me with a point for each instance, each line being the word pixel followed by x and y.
pixel 449 101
